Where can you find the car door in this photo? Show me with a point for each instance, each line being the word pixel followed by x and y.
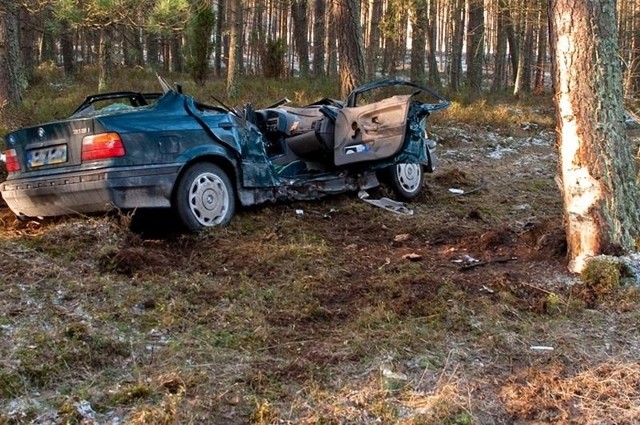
pixel 371 132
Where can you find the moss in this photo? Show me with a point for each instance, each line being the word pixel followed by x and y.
pixel 601 276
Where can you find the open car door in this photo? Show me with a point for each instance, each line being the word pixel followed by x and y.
pixel 371 132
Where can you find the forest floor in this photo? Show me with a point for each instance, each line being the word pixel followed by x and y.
pixel 332 311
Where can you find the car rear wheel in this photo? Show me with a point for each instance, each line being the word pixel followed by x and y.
pixel 204 197
pixel 406 180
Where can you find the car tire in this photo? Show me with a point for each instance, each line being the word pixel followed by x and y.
pixel 204 197
pixel 406 180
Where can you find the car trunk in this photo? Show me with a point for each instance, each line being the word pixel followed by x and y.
pixel 51 147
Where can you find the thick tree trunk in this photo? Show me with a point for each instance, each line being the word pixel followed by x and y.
pixel 597 171
pixel 9 56
pixel 346 14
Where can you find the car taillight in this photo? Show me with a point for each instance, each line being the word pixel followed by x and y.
pixel 102 146
pixel 11 161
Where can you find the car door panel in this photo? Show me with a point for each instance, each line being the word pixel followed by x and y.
pixel 371 132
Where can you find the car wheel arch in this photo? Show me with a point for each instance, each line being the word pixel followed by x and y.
pixel 224 163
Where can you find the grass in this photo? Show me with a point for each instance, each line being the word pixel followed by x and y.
pixel 323 317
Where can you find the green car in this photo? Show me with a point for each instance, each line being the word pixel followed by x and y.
pixel 167 150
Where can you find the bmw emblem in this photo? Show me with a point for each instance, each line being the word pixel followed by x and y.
pixel 12 140
pixel 41 132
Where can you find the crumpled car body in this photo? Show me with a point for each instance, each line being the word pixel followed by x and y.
pixel 168 150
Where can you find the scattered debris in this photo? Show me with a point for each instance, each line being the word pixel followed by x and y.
pixel 386 203
pixel 466 267
pixel 403 237
pixel 456 191
pixel 388 373
pixel 412 257
pixel 541 348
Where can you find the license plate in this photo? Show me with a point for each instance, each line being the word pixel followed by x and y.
pixel 47 156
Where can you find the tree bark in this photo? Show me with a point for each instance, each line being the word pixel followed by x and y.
pixel 66 45
pixel 419 40
pixel 432 42
pixel 217 50
pixel 232 67
pixel 597 170
pixel 475 48
pixel 28 39
pixel 523 74
pixel 500 59
pixel 319 25
pixel 300 19
pixel 105 64
pixel 373 48
pixel 346 14
pixel 9 56
pixel 543 36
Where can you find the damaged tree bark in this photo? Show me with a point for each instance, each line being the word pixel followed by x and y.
pixel 597 171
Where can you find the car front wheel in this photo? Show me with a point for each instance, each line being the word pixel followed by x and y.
pixel 406 180
pixel 204 197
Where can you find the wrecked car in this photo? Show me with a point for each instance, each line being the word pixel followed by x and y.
pixel 169 150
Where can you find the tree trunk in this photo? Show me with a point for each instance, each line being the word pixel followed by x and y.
pixel 66 45
pixel 319 26
pixel 48 47
pixel 373 49
pixel 419 40
pixel 299 15
pixel 523 74
pixel 217 62
pixel 475 48
pixel 104 58
pixel 514 44
pixel 28 38
pixel 432 43
pixel 597 171
pixel 543 35
pixel 232 68
pixel 9 56
pixel 346 14
pixel 500 60
pixel 153 50
pixel 177 60
pixel 456 25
